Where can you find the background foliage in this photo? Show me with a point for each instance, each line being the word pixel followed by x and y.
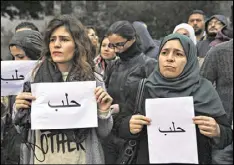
pixel 160 16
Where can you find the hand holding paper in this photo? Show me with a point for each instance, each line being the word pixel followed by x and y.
pixel 207 126
pixel 22 100
pixel 104 100
pixel 172 133
pixel 137 122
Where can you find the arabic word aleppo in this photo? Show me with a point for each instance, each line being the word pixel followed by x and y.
pixel 75 104
pixel 21 77
pixel 177 130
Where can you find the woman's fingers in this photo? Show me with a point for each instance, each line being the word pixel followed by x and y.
pixel 207 126
pixel 101 96
pixel 201 118
pixel 137 122
pixel 23 100
pixel 140 122
pixel 25 95
pixel 209 134
pixel 106 99
pixel 19 106
pixel 98 91
pixel 141 117
pixel 136 126
pixel 135 131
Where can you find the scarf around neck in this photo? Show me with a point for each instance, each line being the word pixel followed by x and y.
pixel 130 53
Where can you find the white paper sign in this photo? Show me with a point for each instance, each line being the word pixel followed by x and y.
pixel 13 75
pixel 172 134
pixel 64 105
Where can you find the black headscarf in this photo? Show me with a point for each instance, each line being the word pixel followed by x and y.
pixel 30 41
pixel 188 83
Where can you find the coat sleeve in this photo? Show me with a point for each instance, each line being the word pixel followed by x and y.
pixel 226 132
pixel 105 124
pixel 124 129
pixel 105 120
pixel 123 124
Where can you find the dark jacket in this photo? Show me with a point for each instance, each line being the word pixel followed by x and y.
pixel 10 137
pixel 148 46
pixel 120 75
pixel 123 73
pixel 218 68
pixel 204 46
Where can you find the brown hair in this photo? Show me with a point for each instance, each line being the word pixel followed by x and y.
pixel 83 55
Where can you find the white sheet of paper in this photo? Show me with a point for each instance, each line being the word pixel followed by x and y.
pixel 9 83
pixel 172 146
pixel 45 117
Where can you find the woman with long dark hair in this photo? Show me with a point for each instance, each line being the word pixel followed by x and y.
pixel 67 56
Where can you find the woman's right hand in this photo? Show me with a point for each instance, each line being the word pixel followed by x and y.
pixel 23 100
pixel 137 122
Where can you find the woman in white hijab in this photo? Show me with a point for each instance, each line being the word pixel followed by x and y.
pixel 187 30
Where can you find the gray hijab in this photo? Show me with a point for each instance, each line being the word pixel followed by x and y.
pixel 30 41
pixel 188 83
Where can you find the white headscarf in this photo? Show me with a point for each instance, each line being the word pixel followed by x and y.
pixel 189 28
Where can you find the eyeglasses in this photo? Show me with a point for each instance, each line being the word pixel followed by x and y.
pixel 214 22
pixel 118 45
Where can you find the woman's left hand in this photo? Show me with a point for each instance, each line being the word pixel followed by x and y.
pixel 207 126
pixel 104 100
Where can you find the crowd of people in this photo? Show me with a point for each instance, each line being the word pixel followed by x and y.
pixel 196 60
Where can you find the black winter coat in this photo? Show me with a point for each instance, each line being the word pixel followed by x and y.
pixel 121 74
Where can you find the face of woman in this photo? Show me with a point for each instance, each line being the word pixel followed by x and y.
pixel 119 44
pixel 18 53
pixel 172 59
pixel 62 46
pixel 106 52
pixel 93 37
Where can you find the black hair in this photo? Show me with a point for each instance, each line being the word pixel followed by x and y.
pixel 105 36
pixel 26 25
pixel 198 12
pixel 124 29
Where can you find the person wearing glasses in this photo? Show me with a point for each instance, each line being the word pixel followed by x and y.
pixel 120 75
pixel 212 26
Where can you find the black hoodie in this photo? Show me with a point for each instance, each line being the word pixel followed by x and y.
pixel 225 34
pixel 148 45
pixel 204 46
